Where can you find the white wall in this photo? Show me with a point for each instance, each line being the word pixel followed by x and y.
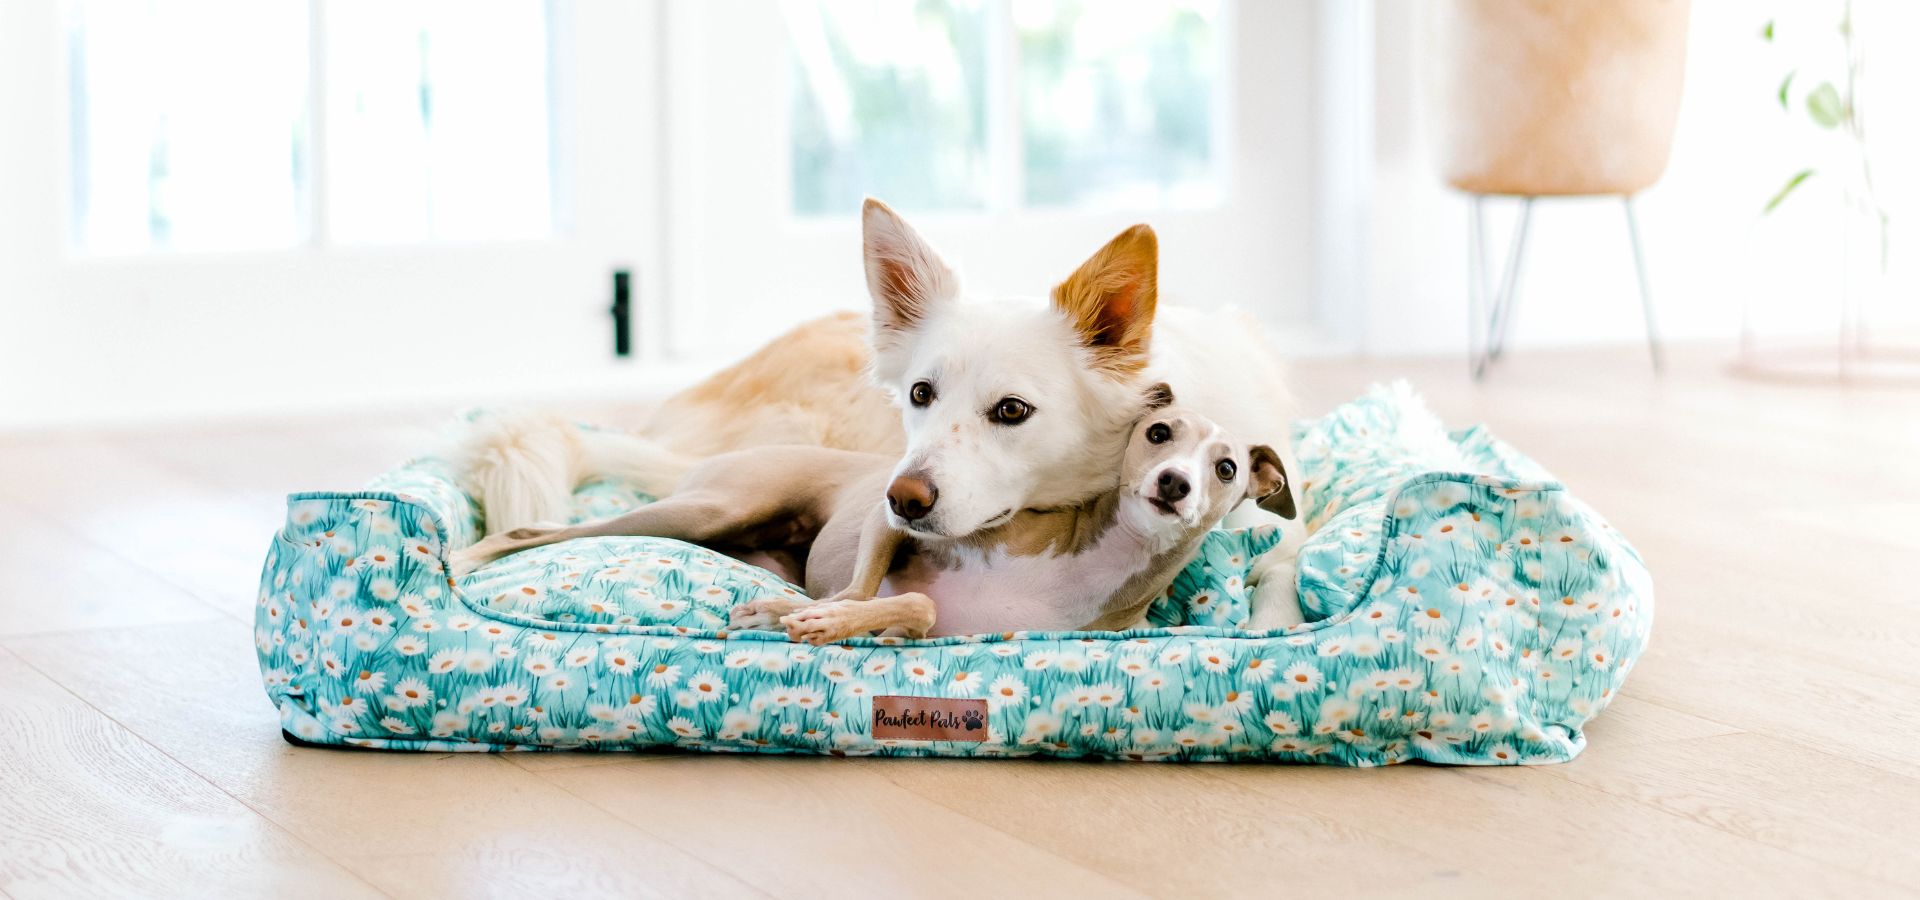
pixel 1709 251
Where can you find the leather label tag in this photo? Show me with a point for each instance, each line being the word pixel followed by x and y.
pixel 929 719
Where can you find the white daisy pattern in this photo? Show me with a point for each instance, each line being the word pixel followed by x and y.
pixel 1462 609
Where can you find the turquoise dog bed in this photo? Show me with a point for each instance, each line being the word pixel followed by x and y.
pixel 1464 609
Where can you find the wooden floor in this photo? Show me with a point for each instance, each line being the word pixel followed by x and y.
pixel 1764 747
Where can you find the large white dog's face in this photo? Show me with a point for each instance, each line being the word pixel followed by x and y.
pixel 1008 405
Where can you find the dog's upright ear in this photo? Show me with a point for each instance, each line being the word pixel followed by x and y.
pixel 1268 482
pixel 1110 299
pixel 904 275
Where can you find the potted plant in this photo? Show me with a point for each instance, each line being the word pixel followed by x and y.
pixel 1824 92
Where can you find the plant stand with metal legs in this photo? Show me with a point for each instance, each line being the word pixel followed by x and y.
pixel 1491 308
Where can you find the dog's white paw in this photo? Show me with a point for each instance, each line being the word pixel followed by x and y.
pixel 761 615
pixel 1275 602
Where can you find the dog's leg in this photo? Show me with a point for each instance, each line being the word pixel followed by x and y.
pixel 696 516
pixel 1275 602
pixel 765 613
pixel 878 544
pixel 873 556
pixel 1274 580
pixel 836 620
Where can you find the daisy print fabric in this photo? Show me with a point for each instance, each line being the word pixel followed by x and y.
pixel 1464 609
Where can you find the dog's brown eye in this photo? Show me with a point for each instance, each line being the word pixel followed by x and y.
pixel 921 393
pixel 1011 411
pixel 1159 433
pixel 1225 469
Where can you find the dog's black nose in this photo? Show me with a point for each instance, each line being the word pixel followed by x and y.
pixel 1173 486
pixel 911 498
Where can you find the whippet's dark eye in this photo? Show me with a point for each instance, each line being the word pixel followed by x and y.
pixel 1011 411
pixel 1225 469
pixel 921 393
pixel 1159 433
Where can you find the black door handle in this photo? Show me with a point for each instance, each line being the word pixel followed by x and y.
pixel 622 313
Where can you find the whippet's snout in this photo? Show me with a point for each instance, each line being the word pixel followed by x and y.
pixel 911 498
pixel 1173 486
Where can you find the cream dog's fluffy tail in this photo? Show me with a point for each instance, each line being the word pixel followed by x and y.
pixel 524 466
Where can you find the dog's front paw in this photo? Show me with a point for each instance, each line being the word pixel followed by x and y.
pixel 824 623
pixel 1275 603
pixel 763 614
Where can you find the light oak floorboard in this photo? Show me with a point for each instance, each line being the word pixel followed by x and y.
pixel 89 809
pixel 198 538
pixel 1632 722
pixel 1094 813
pixel 791 827
pixel 484 822
pixel 1527 829
pixel 1805 802
pixel 52 578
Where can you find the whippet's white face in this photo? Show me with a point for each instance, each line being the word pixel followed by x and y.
pixel 1183 472
pixel 1008 405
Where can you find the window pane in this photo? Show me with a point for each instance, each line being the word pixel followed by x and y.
pixel 889 99
pixel 173 147
pixel 1118 101
pixel 437 120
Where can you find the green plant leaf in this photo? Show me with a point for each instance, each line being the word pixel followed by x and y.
pixel 1785 83
pixel 1824 106
pixel 1766 31
pixel 1786 189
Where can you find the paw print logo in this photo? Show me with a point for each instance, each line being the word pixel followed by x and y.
pixel 972 720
